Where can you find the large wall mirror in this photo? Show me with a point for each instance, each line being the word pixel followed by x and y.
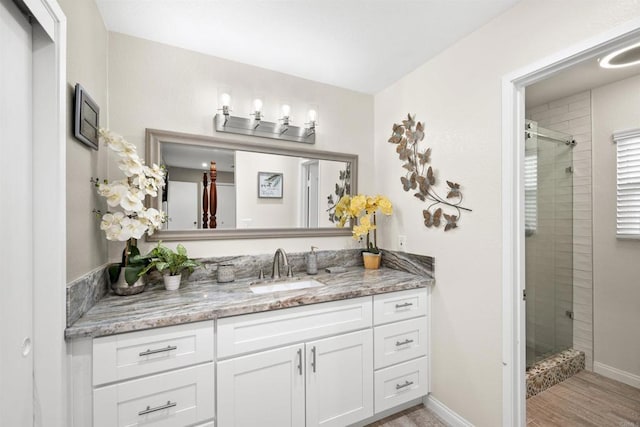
pixel 226 189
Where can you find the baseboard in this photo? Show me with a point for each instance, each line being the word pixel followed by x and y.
pixel 450 417
pixel 616 374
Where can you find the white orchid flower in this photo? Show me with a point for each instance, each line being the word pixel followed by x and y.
pixel 129 193
pixel 131 202
pixel 133 227
pixel 131 165
pixel 114 192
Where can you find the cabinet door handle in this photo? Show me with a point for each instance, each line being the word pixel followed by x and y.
pixel 149 409
pixel 407 341
pixel 406 384
pixel 406 304
pixel 313 358
pixel 300 361
pixel 158 350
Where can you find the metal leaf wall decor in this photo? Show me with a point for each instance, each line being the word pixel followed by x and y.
pixel 421 178
pixel 343 186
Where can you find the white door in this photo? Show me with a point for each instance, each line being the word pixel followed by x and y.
pixel 16 217
pixel 340 379
pixel 264 389
pixel 182 205
pixel 226 217
pixel 310 194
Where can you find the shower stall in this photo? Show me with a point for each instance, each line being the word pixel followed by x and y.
pixel 548 176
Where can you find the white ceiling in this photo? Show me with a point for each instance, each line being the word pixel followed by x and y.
pixel 583 76
pixel 363 45
pixel 197 157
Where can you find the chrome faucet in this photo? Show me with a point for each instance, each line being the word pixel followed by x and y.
pixel 275 268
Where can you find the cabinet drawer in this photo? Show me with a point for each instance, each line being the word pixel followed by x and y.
pixel 258 331
pixel 400 341
pixel 396 306
pixel 401 383
pixel 130 355
pixel 176 398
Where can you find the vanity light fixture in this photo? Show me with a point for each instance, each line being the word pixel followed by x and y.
pixel 256 126
pixel 312 115
pixel 257 112
pixel 624 57
pixel 286 110
pixel 225 101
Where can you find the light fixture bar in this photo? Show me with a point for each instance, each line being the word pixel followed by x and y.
pixel 283 132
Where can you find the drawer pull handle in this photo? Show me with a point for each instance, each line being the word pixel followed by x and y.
pixel 406 304
pixel 149 409
pixel 159 350
pixel 300 361
pixel 313 360
pixel 406 384
pixel 407 341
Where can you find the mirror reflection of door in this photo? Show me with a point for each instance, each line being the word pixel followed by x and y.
pixel 226 211
pixel 310 190
pixel 182 211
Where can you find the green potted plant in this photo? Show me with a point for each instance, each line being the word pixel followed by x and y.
pixel 169 263
pixel 363 208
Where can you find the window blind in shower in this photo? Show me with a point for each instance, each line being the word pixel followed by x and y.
pixel 628 183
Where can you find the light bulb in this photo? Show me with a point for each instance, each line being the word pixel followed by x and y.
pixel 225 99
pixel 257 104
pixel 312 115
pixel 286 109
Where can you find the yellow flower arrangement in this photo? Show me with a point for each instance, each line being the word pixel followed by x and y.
pixel 363 208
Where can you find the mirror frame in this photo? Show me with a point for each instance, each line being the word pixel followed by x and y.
pixel 153 138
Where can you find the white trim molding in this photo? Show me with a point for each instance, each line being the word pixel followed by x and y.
pixel 617 374
pixel 49 160
pixel 451 417
pixel 513 274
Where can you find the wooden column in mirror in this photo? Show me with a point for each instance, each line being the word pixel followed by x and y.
pixel 205 200
pixel 213 196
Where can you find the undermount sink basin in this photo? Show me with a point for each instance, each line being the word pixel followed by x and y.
pixel 266 287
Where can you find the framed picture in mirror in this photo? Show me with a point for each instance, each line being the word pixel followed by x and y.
pixel 270 185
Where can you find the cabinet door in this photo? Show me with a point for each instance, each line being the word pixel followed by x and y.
pixel 340 379
pixel 264 389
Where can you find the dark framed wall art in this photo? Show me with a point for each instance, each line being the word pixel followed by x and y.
pixel 86 118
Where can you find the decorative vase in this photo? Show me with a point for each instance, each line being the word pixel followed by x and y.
pixel 371 260
pixel 122 288
pixel 172 283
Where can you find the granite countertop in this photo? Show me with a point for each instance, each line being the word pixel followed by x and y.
pixel 205 300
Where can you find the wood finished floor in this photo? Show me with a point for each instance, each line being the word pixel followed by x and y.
pixel 585 399
pixel 416 416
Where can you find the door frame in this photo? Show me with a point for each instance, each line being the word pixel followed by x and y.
pixel 513 261
pixel 51 396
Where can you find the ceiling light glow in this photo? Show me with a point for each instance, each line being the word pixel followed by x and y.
pixel 624 57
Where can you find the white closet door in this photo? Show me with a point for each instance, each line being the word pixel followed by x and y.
pixel 16 216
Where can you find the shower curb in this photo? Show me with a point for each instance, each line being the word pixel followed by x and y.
pixel 554 370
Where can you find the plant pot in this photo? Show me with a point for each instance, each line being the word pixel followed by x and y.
pixel 122 288
pixel 371 260
pixel 172 283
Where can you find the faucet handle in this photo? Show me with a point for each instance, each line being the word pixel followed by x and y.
pixel 261 274
pixel 290 271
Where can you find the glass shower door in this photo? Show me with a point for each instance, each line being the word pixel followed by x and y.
pixel 548 179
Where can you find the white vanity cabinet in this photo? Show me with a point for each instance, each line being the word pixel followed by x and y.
pixel 316 381
pixel 157 377
pixel 329 364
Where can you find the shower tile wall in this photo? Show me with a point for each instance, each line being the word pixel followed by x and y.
pixel 572 115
